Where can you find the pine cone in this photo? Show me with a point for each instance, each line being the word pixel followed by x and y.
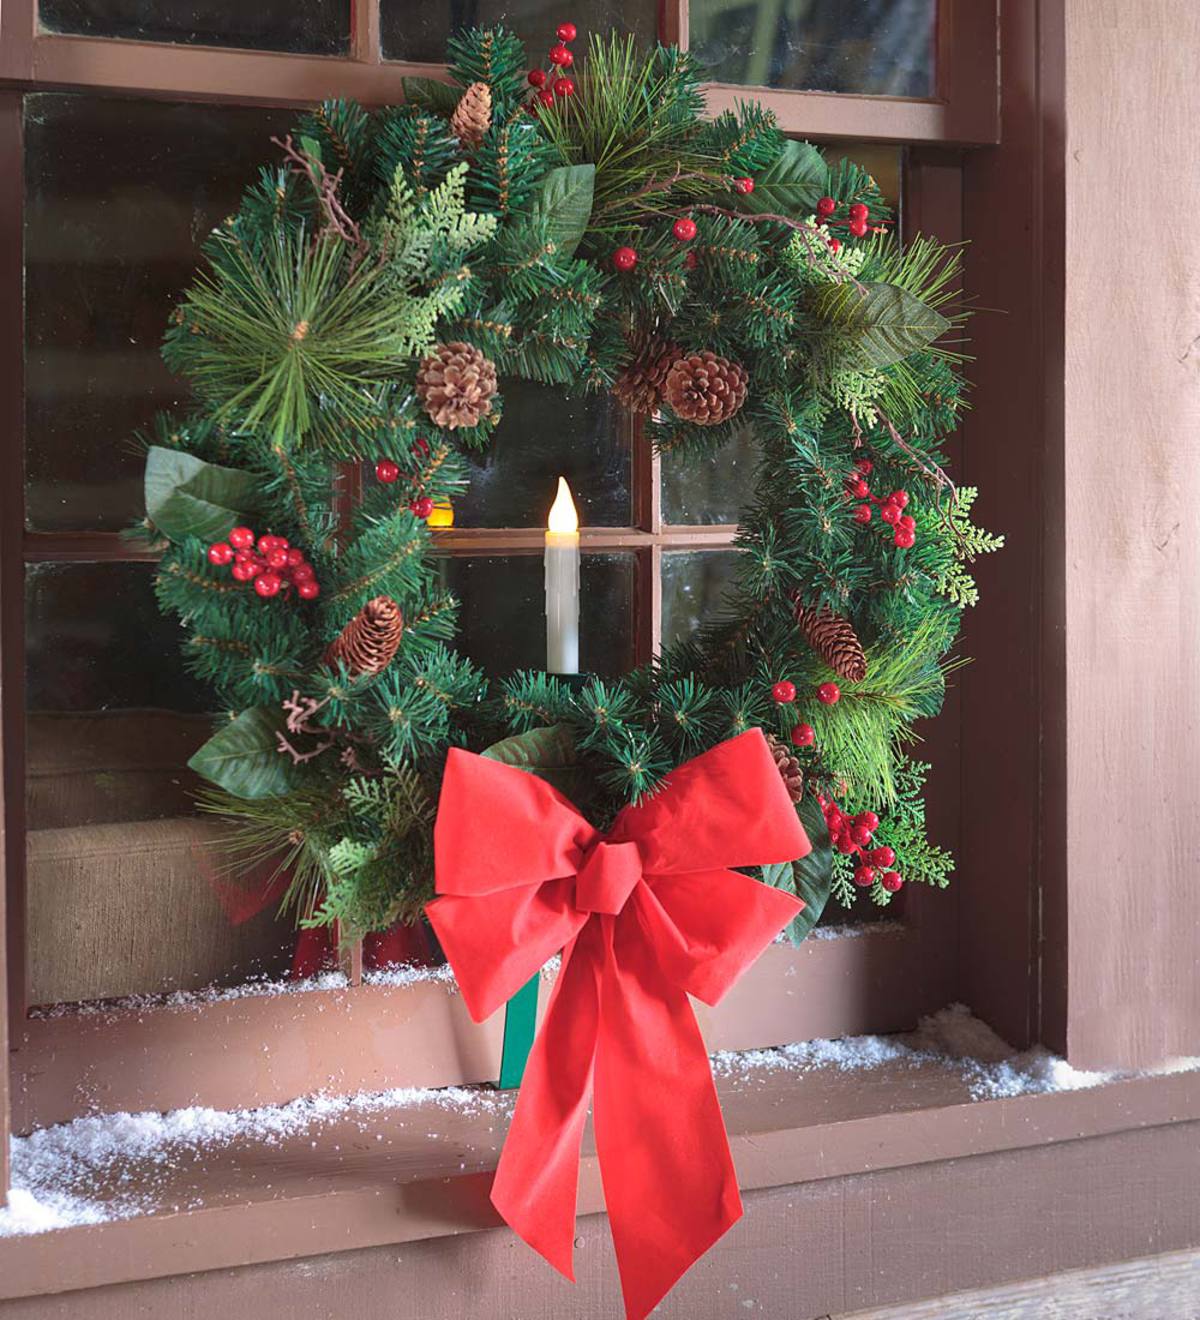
pixel 456 383
pixel 834 640
pixel 640 385
pixel 370 640
pixel 472 115
pixel 705 389
pixel 788 767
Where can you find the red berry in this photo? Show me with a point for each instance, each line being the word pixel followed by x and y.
pixel 545 96
pixel 744 185
pixel 906 523
pixel 904 540
pixel 829 693
pixel 864 876
pixel 899 498
pixel 537 78
pixel 684 229
pixel 243 572
pixel 221 553
pixel 691 261
pixel 844 844
pixel 308 590
pixel 803 735
pixel 564 87
pixel 420 447
pixel 566 32
pixel 884 856
pixel 861 835
pixel 561 56
pixel 858 487
pixel 868 819
pixel 835 245
pixel 268 584
pixel 241 538
pixel 624 258
pixel 833 817
pixel 422 507
pixel 862 514
pixel 254 567
pixel 890 514
pixel 277 560
pixel 826 206
pixel 865 466
pixel 784 691
pixel 295 558
pixel 858 212
pixel 302 573
pixel 858 228
pixel 266 544
pixel 387 471
pixel 891 881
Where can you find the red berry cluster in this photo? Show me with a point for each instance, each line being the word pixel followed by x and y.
pixel 852 835
pixel 855 219
pixel 548 83
pixel 388 472
pixel 272 565
pixel 891 510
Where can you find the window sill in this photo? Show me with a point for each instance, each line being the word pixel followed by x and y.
pixel 423 1171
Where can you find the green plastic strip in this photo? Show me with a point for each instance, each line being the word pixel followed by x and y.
pixel 520 1018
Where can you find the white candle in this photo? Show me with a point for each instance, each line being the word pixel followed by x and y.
pixel 562 585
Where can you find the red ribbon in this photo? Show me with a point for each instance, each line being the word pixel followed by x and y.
pixel 645 916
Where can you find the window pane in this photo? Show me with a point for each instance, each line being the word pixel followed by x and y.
pixel 544 435
pixel 502 624
pixel 712 490
pixel 420 32
pixel 692 584
pixel 313 27
pixel 122 875
pixel 872 47
pixel 120 194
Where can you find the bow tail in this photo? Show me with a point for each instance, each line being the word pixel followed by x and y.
pixel 669 1181
pixel 537 1179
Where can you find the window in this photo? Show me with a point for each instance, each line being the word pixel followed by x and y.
pixel 148 136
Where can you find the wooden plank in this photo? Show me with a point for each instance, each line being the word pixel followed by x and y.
pixel 424 1172
pixel 1131 521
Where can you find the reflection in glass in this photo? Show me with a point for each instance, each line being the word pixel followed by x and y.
pixel 713 490
pixel 871 47
pixel 122 892
pixel 545 435
pixel 692 584
pixel 310 27
pixel 502 622
pixel 419 32
pixel 119 196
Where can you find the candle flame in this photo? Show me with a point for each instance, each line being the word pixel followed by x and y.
pixel 563 517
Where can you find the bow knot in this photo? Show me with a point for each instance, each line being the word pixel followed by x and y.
pixel 644 917
pixel 607 877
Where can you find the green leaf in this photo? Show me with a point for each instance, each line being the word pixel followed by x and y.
pixel 431 94
pixel 811 878
pixel 548 752
pixel 887 323
pixel 564 201
pixel 187 497
pixel 790 185
pixel 244 758
pixel 311 146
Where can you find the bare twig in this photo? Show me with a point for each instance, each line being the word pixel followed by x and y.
pixel 338 221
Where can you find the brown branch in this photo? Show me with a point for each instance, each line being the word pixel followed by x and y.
pixel 338 221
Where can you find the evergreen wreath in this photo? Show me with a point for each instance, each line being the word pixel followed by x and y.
pixel 594 232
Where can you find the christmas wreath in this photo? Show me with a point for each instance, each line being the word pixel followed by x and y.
pixel 585 228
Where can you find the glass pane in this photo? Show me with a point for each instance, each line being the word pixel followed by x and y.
pixel 311 27
pixel 692 583
pixel 120 194
pixel 872 47
pixel 419 32
pixel 712 490
pixel 544 435
pixel 123 877
pixel 502 624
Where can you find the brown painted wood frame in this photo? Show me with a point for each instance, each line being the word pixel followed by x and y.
pixel 32 59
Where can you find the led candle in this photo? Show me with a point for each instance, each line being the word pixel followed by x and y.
pixel 562 585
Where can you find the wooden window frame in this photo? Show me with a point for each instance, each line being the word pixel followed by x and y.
pixel 136 1063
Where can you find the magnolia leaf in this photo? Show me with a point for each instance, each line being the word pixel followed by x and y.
pixel 790 185
pixel 886 323
pixel 187 497
pixel 430 94
pixel 564 201
pixel 810 878
pixel 244 758
pixel 548 752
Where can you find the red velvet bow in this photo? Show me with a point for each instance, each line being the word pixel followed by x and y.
pixel 645 916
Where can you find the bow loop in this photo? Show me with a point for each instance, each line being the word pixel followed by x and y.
pixel 607 877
